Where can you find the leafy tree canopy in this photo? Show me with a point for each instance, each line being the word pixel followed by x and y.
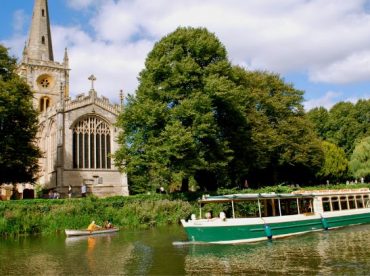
pixel 197 119
pixel 345 124
pixel 18 125
pixel 335 166
pixel 170 128
pixel 286 147
pixel 359 163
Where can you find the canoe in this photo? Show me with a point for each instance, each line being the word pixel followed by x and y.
pixel 70 232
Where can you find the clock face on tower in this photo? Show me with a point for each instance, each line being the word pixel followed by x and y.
pixel 45 82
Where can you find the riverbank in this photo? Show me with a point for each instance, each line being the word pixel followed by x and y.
pixel 52 216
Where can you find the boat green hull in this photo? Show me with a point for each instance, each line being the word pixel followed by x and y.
pixel 250 233
pixel 348 220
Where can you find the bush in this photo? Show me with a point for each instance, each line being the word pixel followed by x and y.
pixel 49 216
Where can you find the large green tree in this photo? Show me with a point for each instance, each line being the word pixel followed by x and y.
pixel 359 164
pixel 319 116
pixel 345 124
pixel 18 125
pixel 286 148
pixel 171 128
pixel 335 167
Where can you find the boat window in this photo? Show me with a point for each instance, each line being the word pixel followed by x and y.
pixel 335 203
pixel 360 203
pixel 326 204
pixel 289 206
pixel 264 207
pixel 343 203
pixel 307 205
pixel 351 202
pixel 245 209
pixel 270 208
pixel 366 201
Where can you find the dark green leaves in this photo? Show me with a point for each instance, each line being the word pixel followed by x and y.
pixel 18 126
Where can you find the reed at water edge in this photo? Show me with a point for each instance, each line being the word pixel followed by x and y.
pixel 52 216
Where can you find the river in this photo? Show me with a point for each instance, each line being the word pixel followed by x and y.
pixel 151 252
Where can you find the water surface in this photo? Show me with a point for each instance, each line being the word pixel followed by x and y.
pixel 151 252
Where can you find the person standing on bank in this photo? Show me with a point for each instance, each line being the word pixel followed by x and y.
pixel 69 191
pixel 83 190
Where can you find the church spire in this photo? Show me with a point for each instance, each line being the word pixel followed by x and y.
pixel 39 41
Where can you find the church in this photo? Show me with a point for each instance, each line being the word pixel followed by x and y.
pixel 76 136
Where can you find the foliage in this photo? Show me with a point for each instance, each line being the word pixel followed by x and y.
pixel 195 118
pixel 360 160
pixel 53 216
pixel 171 130
pixel 335 166
pixel 345 124
pixel 18 126
pixel 285 146
pixel 319 117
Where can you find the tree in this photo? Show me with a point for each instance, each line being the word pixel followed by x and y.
pixel 18 126
pixel 196 118
pixel 286 148
pixel 171 127
pixel 359 164
pixel 335 167
pixel 345 126
pixel 319 117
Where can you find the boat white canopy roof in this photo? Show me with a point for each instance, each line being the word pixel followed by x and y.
pixel 243 197
pixel 296 194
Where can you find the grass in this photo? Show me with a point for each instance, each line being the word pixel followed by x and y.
pixel 48 216
pixel 52 216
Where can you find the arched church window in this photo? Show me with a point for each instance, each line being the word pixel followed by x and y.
pixel 44 103
pixel 43 40
pixel 91 144
pixel 43 12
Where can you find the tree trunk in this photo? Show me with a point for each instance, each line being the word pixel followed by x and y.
pixel 185 185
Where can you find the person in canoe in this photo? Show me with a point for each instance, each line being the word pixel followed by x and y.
pixel 107 225
pixel 93 227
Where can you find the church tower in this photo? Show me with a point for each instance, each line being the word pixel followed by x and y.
pixel 39 43
pixel 38 68
pixel 77 136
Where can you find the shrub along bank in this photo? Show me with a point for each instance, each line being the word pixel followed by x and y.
pixel 52 216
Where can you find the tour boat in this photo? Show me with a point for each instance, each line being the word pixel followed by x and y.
pixel 256 217
pixel 84 232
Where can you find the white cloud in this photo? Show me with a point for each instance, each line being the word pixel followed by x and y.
pixel 355 67
pixel 115 66
pixel 328 39
pixel 15 44
pixel 356 99
pixel 281 36
pixel 331 98
pixel 327 101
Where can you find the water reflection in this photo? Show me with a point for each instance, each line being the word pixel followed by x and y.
pixel 151 252
pixel 342 251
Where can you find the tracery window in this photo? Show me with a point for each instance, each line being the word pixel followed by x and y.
pixel 91 144
pixel 45 83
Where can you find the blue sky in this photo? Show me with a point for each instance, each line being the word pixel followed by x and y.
pixel 321 46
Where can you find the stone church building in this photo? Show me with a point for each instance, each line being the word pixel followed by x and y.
pixel 77 136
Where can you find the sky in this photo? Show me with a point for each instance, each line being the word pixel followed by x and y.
pixel 320 46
